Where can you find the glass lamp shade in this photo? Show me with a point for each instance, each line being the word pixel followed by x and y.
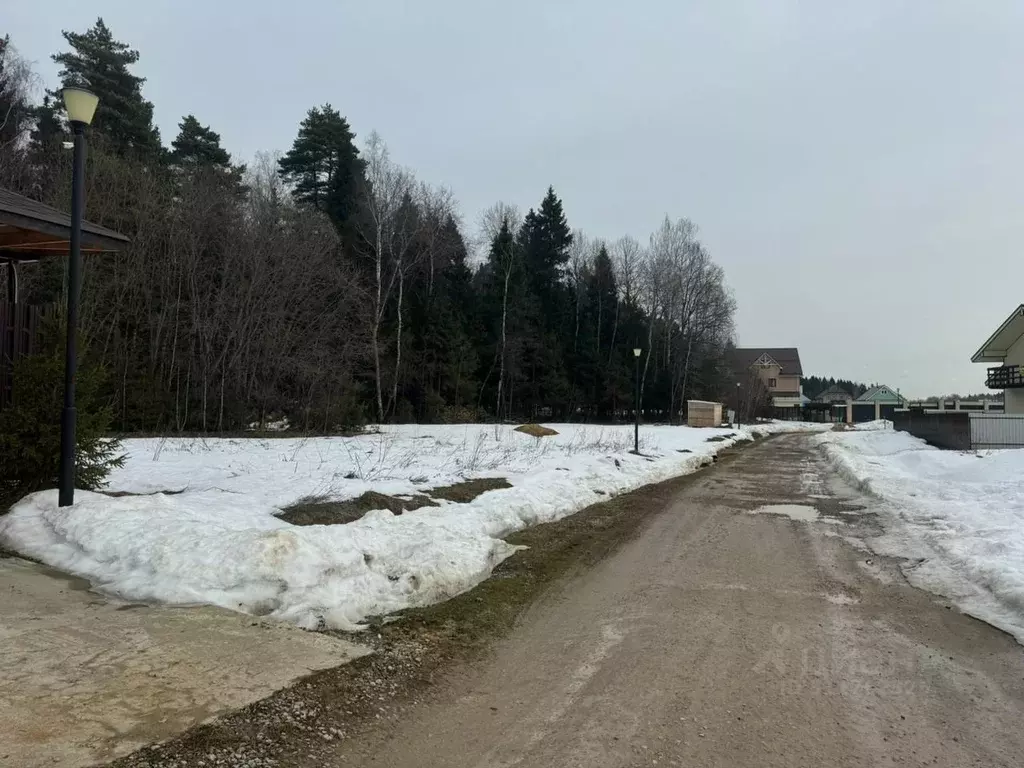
pixel 636 352
pixel 80 104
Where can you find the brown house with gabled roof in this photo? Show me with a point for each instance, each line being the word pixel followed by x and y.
pixel 780 370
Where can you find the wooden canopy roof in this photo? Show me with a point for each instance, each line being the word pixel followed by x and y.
pixel 30 230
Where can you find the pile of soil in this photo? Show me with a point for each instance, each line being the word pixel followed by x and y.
pixel 536 430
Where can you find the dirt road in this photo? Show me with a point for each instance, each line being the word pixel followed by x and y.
pixel 724 636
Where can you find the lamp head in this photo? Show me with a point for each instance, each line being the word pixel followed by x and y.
pixel 80 104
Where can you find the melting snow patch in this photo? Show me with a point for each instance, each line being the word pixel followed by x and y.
pixel 793 511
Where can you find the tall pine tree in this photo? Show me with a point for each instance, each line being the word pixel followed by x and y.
pixel 100 63
pixel 324 166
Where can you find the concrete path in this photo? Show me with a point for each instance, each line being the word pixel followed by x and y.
pixel 728 636
pixel 84 678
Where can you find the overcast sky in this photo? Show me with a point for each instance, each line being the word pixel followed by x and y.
pixel 856 167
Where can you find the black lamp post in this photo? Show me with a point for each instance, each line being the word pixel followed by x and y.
pixel 738 385
pixel 636 420
pixel 81 106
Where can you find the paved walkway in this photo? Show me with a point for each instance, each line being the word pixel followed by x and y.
pixel 84 678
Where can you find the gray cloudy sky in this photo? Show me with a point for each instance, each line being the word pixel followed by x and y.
pixel 856 167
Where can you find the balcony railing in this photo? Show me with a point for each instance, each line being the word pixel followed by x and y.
pixel 1005 377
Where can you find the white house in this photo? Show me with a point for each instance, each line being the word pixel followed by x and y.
pixel 1006 347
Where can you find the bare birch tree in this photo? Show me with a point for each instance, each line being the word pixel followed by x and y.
pixel 387 236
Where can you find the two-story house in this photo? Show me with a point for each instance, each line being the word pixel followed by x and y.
pixel 780 371
pixel 1006 347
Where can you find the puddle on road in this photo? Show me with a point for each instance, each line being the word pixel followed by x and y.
pixel 793 511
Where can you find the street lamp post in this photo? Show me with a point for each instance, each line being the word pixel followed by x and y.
pixel 81 106
pixel 738 385
pixel 636 420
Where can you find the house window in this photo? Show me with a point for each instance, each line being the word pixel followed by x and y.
pixel 772 383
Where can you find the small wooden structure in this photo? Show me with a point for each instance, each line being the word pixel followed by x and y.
pixel 703 413
pixel 29 231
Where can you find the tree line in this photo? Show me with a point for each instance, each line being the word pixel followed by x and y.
pixel 815 385
pixel 330 286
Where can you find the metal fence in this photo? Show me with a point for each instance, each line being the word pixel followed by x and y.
pixel 997 430
pixel 962 430
pixel 943 429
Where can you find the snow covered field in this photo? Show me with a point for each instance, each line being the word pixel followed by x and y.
pixel 217 539
pixel 961 514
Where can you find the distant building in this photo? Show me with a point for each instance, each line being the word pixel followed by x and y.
pixel 834 394
pixel 881 394
pixel 779 369
pixel 1006 347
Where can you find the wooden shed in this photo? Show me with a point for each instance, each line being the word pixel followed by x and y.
pixel 703 413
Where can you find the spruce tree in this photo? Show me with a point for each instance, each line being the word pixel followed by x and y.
pixel 100 63
pixel 323 165
pixel 547 238
pixel 544 240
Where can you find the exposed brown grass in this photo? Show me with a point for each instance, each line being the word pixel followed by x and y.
pixel 318 511
pixel 468 490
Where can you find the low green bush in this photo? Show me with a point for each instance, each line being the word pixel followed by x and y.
pixel 30 425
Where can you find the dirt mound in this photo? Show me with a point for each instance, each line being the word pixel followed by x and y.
pixel 536 430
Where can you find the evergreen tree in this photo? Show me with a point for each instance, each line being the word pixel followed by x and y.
pixel 544 241
pixel 100 63
pixel 442 385
pixel 198 146
pixel 324 167
pixel 197 150
pixel 546 238
pixel 30 426
pixel 48 128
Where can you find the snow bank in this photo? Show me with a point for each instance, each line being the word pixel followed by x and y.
pixel 217 539
pixel 961 515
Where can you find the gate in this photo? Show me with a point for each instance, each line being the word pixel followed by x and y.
pixel 996 430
